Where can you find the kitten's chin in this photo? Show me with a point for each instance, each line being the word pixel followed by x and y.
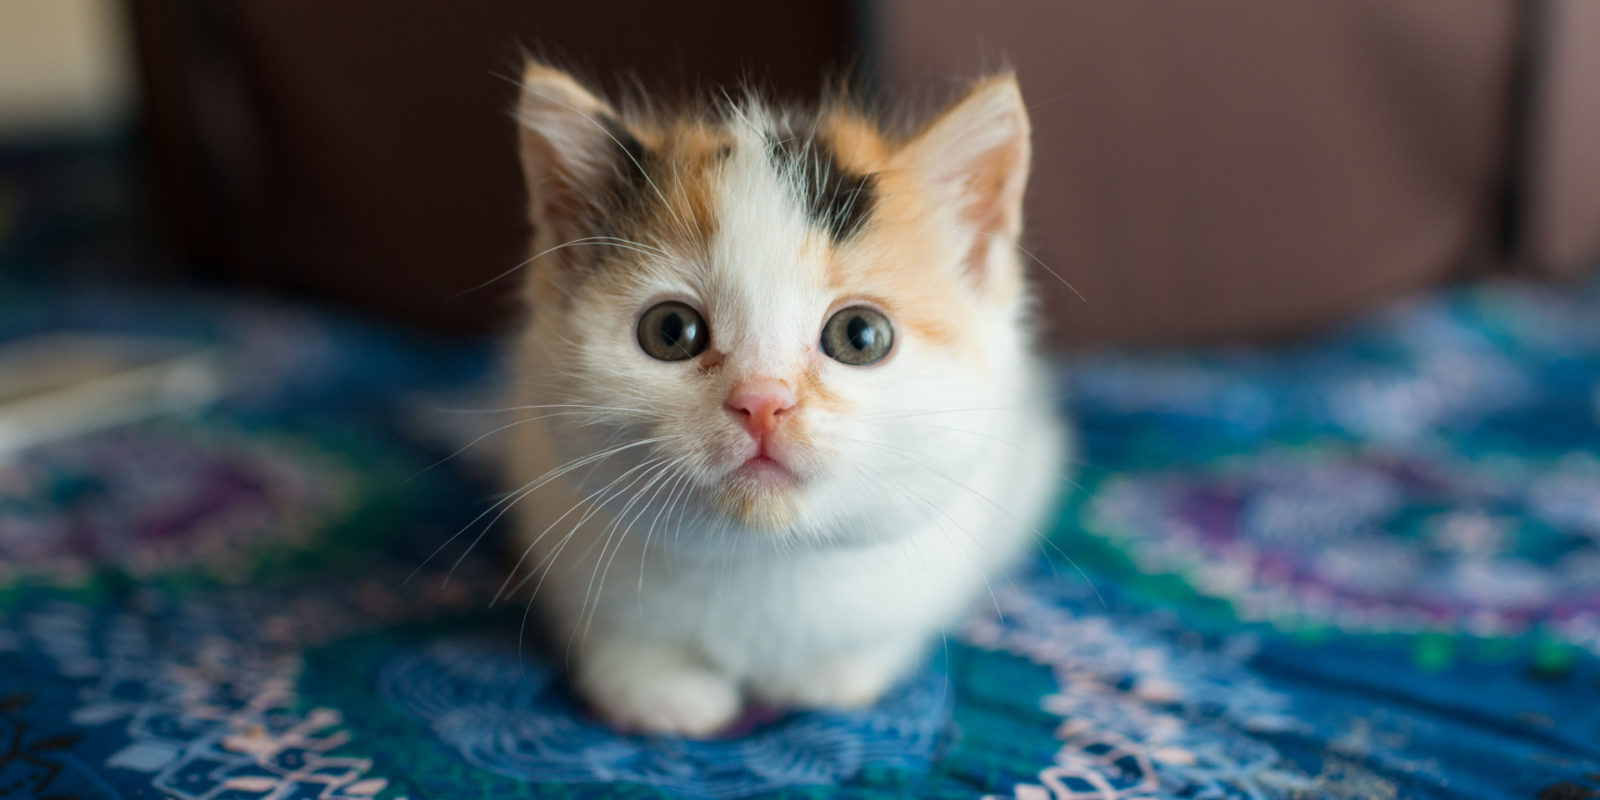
pixel 759 502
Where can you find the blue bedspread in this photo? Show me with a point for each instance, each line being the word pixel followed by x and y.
pixel 1366 566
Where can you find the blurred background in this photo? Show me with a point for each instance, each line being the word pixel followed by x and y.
pixel 1218 170
pixel 1337 528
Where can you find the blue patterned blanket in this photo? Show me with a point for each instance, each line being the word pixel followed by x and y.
pixel 1366 566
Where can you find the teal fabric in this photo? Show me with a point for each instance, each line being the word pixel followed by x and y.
pixel 1362 566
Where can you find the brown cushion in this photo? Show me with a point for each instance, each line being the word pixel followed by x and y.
pixel 1237 167
pixel 1563 167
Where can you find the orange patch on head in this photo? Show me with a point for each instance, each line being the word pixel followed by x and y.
pixel 691 148
pixel 893 263
pixel 931 326
pixel 855 141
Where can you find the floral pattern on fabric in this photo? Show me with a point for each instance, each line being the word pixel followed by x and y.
pixel 151 500
pixel 1356 567
pixel 514 715
pixel 1381 540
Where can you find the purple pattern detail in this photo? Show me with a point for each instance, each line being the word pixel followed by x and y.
pixel 1375 541
pixel 150 499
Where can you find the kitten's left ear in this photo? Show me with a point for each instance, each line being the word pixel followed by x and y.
pixel 974 157
pixel 573 145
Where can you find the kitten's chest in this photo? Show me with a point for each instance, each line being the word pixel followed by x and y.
pixel 816 601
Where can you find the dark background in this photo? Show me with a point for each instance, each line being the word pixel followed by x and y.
pixel 370 158
pixel 1221 169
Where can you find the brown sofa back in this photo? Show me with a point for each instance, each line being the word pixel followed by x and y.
pixel 1225 168
pixel 364 153
pixel 1562 165
pixel 1204 170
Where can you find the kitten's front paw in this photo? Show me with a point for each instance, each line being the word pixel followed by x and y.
pixel 659 689
pixel 843 681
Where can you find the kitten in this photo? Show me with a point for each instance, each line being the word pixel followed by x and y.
pixel 785 421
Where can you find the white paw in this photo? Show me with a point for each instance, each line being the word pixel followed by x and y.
pixel 845 681
pixel 650 688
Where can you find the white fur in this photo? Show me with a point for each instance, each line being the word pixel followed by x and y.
pixel 928 488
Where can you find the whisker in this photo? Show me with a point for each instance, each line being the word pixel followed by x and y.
pixel 543 406
pixel 1041 263
pixel 486 529
pixel 620 527
pixel 587 241
pixel 469 445
pixel 644 552
pixel 545 566
pixel 515 568
pixel 535 484
pixel 550 559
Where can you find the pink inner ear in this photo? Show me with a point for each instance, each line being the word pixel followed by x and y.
pixel 993 190
pixel 554 198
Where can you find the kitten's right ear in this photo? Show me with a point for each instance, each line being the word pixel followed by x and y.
pixel 570 142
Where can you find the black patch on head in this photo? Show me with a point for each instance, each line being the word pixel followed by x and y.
pixel 836 199
pixel 616 203
pixel 633 159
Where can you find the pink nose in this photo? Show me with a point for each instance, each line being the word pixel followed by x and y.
pixel 757 403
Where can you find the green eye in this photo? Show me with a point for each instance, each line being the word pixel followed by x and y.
pixel 673 332
pixel 857 336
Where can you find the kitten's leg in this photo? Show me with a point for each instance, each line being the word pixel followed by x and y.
pixel 846 679
pixel 656 687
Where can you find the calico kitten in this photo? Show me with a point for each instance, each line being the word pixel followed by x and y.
pixel 784 416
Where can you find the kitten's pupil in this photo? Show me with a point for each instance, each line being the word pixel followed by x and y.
pixel 861 333
pixel 672 330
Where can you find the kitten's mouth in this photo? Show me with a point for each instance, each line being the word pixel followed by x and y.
pixel 761 492
pixel 766 470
